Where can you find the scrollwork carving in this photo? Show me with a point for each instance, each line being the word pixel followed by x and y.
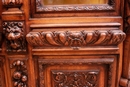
pixel 20 74
pixel 75 38
pixel 75 78
pixel 14 34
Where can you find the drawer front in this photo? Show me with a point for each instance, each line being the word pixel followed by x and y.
pixel 75 71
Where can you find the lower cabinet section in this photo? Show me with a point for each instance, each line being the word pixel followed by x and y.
pixel 75 71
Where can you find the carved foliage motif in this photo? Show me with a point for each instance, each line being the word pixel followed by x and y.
pixel 40 7
pixel 75 78
pixel 75 38
pixel 12 3
pixel 20 74
pixel 14 34
pixel 62 79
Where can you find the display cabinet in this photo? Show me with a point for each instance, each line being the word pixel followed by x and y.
pixel 64 43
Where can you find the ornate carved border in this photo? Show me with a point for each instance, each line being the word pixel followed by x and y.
pixel 41 8
pixel 43 63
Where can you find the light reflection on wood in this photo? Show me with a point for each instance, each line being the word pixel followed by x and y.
pixel 68 2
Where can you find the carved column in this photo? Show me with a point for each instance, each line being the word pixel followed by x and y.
pixel 125 82
pixel 13 25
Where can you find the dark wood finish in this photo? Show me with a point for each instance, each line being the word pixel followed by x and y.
pixel 64 45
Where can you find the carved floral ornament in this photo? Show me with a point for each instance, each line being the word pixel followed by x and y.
pixel 14 34
pixel 75 79
pixel 75 38
pixel 20 74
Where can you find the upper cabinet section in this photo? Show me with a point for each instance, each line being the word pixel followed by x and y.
pixel 75 8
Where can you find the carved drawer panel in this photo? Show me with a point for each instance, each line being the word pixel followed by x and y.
pixel 75 35
pixel 75 71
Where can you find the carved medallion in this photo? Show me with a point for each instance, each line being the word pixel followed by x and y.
pixel 75 38
pixel 20 74
pixel 14 34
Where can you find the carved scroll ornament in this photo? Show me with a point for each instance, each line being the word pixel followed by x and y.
pixel 75 38
pixel 75 79
pixel 14 36
pixel 20 74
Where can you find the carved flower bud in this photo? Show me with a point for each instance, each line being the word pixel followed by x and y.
pixel 18 62
pixel 15 84
pixel 17 75
pixel 24 78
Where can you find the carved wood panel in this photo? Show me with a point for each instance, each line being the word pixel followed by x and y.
pixel 75 39
pixel 14 33
pixel 64 72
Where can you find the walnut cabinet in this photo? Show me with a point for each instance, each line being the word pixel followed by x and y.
pixel 64 43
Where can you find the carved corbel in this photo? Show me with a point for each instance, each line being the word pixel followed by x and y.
pixel 20 74
pixel 12 6
pixel 14 34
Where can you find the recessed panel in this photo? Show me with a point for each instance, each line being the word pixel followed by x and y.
pixel 69 2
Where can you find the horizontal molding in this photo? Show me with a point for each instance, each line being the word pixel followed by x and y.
pixel 75 25
pixel 75 39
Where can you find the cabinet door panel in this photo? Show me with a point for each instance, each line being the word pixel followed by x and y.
pixel 64 72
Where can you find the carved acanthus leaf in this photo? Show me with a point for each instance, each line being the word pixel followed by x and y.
pixel 75 38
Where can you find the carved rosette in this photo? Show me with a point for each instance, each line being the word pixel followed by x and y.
pixel 76 38
pixel 14 34
pixel 12 3
pixel 75 79
pixel 20 74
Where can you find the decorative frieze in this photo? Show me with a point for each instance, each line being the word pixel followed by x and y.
pixel 20 74
pixel 75 38
pixel 14 34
